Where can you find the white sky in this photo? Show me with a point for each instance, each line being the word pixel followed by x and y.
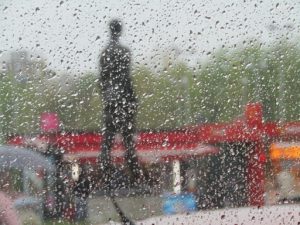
pixel 65 32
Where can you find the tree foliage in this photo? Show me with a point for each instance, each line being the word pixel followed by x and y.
pixel 177 96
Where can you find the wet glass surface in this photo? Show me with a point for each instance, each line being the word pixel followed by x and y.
pixel 150 112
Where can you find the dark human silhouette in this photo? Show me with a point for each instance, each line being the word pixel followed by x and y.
pixel 82 191
pixel 120 102
pixel 56 156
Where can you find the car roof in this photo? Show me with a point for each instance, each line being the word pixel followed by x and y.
pixel 22 158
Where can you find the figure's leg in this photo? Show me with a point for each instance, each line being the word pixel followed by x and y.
pixel 139 177
pixel 105 161
pixel 105 156
pixel 130 155
pixel 131 159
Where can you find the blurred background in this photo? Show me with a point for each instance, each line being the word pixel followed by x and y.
pixel 196 67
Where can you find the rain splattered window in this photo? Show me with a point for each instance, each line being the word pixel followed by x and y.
pixel 149 112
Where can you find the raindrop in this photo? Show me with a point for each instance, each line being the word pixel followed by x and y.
pixel 248 66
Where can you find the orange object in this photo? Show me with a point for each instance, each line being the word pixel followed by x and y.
pixel 285 150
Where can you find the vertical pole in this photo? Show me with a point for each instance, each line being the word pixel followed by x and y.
pixel 256 156
pixel 176 177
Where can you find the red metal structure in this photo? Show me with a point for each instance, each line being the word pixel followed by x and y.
pixel 190 143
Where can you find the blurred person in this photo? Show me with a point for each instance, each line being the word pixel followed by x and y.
pixel 120 103
pixel 82 190
pixel 49 148
pixel 55 155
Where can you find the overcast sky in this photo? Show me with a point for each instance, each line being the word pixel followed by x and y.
pixel 70 34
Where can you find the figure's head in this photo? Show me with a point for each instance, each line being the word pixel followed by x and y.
pixel 115 27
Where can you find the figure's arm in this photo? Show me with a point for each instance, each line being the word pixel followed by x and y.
pixel 100 77
pixel 127 71
pixel 127 62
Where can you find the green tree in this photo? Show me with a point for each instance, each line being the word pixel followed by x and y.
pixel 216 92
pixel 80 107
pixel 6 102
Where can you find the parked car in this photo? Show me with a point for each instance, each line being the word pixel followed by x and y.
pixel 25 179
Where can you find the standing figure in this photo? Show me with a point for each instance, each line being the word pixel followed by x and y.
pixel 120 102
